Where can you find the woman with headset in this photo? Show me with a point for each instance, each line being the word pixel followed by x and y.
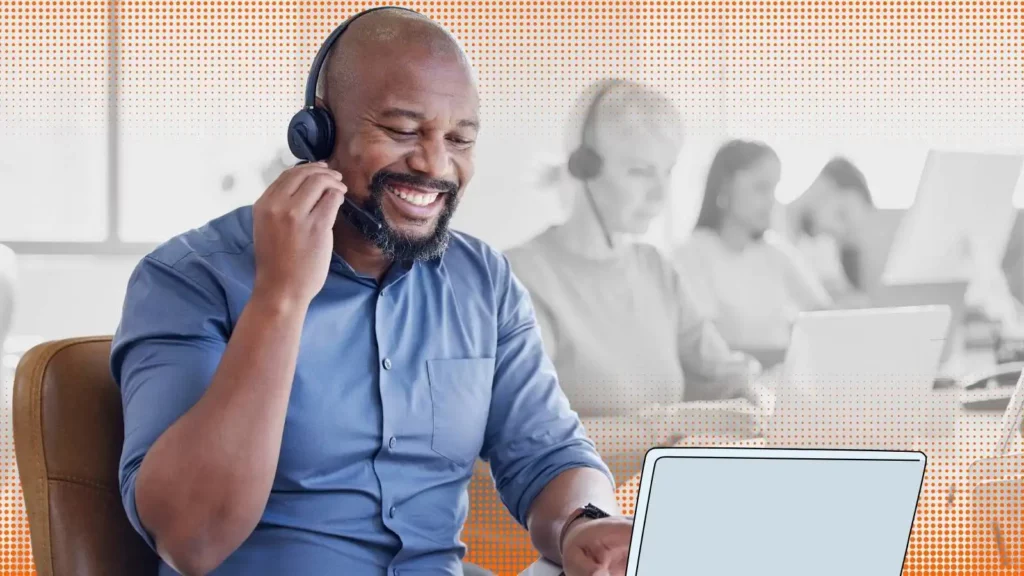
pixel 742 274
pixel 626 340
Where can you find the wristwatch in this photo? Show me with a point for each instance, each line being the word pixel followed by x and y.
pixel 589 511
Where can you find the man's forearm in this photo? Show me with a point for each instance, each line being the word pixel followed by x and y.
pixel 203 485
pixel 560 499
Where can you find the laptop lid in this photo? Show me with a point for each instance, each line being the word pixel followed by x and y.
pixel 740 511
pixel 861 379
pixel 951 294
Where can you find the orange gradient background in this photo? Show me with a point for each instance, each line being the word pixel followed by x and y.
pixel 190 69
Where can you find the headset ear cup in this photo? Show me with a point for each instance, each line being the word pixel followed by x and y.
pixel 585 163
pixel 311 134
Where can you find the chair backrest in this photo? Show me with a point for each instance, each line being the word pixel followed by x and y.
pixel 68 434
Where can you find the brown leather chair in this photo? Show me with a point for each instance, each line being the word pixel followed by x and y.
pixel 68 431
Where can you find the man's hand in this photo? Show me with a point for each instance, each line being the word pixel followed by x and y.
pixel 597 547
pixel 292 232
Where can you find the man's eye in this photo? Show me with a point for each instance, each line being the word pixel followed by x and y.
pixel 399 132
pixel 460 141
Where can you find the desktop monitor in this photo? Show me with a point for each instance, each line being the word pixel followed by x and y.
pixel 959 226
pixel 741 511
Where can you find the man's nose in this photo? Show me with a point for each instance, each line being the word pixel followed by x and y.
pixel 431 157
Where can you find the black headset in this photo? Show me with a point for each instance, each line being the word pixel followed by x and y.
pixel 585 163
pixel 311 130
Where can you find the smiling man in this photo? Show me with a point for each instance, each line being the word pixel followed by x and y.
pixel 307 393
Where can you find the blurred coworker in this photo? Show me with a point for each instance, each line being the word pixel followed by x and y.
pixel 828 222
pixel 743 275
pixel 8 276
pixel 613 315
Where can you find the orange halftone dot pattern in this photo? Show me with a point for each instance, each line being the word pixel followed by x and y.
pixel 213 68
pixel 15 547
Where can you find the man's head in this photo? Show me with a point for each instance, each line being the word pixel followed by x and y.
pixel 404 101
pixel 840 202
pixel 638 134
pixel 740 188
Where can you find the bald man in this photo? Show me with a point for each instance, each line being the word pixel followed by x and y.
pixel 308 395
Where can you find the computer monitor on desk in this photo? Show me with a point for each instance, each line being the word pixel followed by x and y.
pixel 959 226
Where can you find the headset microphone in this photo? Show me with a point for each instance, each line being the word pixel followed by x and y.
pixel 311 131
pixel 585 163
pixel 349 208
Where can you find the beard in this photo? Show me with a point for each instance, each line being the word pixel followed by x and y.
pixel 394 244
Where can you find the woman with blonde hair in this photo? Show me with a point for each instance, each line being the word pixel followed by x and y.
pixel 627 342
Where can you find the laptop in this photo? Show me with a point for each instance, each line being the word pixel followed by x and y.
pixel 951 294
pixel 861 379
pixel 742 511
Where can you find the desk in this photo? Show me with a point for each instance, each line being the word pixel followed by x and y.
pixel 943 514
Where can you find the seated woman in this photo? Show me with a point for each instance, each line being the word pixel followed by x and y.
pixel 741 274
pixel 626 340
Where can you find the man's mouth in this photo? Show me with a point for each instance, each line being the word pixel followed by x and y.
pixel 414 196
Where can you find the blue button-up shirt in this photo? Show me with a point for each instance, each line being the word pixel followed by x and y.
pixel 400 386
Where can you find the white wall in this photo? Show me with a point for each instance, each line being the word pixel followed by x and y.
pixel 66 296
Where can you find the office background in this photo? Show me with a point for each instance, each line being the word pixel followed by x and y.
pixel 119 133
pixel 125 123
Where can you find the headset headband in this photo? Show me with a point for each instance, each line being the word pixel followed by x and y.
pixel 325 49
pixel 588 120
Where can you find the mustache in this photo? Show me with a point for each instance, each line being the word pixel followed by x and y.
pixel 384 178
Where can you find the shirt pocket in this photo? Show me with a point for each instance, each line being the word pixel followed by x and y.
pixel 460 396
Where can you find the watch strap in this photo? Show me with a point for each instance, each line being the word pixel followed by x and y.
pixel 589 511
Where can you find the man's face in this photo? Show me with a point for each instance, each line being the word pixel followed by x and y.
pixel 406 132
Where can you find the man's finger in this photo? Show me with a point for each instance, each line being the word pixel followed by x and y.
pixel 577 562
pixel 289 182
pixel 613 546
pixel 328 205
pixel 312 190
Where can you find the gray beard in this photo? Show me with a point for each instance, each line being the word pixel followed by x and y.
pixel 397 246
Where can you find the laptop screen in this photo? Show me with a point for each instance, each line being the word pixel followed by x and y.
pixel 762 515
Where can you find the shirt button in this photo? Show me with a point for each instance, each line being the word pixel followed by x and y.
pixel 387 363
pixel 391 512
pixel 392 442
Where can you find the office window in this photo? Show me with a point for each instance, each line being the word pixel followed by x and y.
pixel 196 140
pixel 53 127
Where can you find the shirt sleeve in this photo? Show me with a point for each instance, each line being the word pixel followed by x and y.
pixel 703 352
pixel 532 433
pixel 172 334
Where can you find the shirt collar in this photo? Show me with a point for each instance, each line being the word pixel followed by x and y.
pixel 398 270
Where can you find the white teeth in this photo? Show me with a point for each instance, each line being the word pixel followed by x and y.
pixel 417 199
